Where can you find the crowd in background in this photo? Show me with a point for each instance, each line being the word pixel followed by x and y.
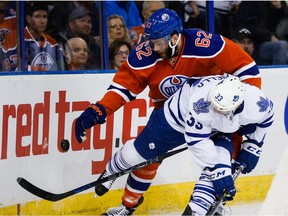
pixel 66 35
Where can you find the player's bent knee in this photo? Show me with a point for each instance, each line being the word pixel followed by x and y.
pixel 130 154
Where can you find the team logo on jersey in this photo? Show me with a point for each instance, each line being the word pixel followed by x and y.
pixel 43 60
pixel 201 106
pixel 263 104
pixel 171 84
pixel 3 33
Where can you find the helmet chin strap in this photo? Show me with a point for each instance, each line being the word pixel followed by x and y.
pixel 173 47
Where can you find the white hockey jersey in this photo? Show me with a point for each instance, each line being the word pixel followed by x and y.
pixel 190 112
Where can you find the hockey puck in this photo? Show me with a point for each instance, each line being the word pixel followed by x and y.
pixel 65 145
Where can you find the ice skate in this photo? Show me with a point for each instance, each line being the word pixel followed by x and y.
pixel 122 210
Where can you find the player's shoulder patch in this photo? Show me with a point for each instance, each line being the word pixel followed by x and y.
pixel 264 104
pixel 257 102
pixel 200 43
pixel 199 104
pixel 143 56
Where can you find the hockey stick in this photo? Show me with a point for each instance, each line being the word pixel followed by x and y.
pixel 56 197
pixel 222 198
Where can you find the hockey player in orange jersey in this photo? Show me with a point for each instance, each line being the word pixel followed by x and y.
pixel 168 57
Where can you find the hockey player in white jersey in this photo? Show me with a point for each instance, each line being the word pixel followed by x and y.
pixel 204 113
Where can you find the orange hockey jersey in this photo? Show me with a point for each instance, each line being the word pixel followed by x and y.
pixel 202 53
pixel 8 25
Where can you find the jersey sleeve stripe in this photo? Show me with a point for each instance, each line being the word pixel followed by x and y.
pixel 197 135
pixel 122 87
pixel 248 71
pixel 145 67
pixel 126 94
pixel 172 114
pixel 178 106
pixel 194 142
pixel 252 73
pixel 245 68
pixel 127 99
pixel 248 76
pixel 265 125
pixel 268 119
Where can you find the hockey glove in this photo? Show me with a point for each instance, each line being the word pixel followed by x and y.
pixel 248 156
pixel 222 181
pixel 94 114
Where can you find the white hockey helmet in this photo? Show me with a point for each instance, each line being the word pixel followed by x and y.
pixel 227 95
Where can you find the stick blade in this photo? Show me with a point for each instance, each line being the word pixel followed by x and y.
pixel 37 191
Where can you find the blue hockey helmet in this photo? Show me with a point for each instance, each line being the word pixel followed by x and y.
pixel 163 23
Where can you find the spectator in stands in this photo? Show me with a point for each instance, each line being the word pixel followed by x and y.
pixel 117 29
pixel 244 39
pixel 76 54
pixel 267 16
pixel 127 9
pixel 273 52
pixel 7 21
pixel 58 25
pixel 247 15
pixel 42 52
pixel 118 53
pixel 187 10
pixel 277 18
pixel 37 42
pixel 148 8
pixel 270 50
pixel 195 15
pixel 8 53
pixel 80 25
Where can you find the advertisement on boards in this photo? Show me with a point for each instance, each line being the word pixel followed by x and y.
pixel 38 111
